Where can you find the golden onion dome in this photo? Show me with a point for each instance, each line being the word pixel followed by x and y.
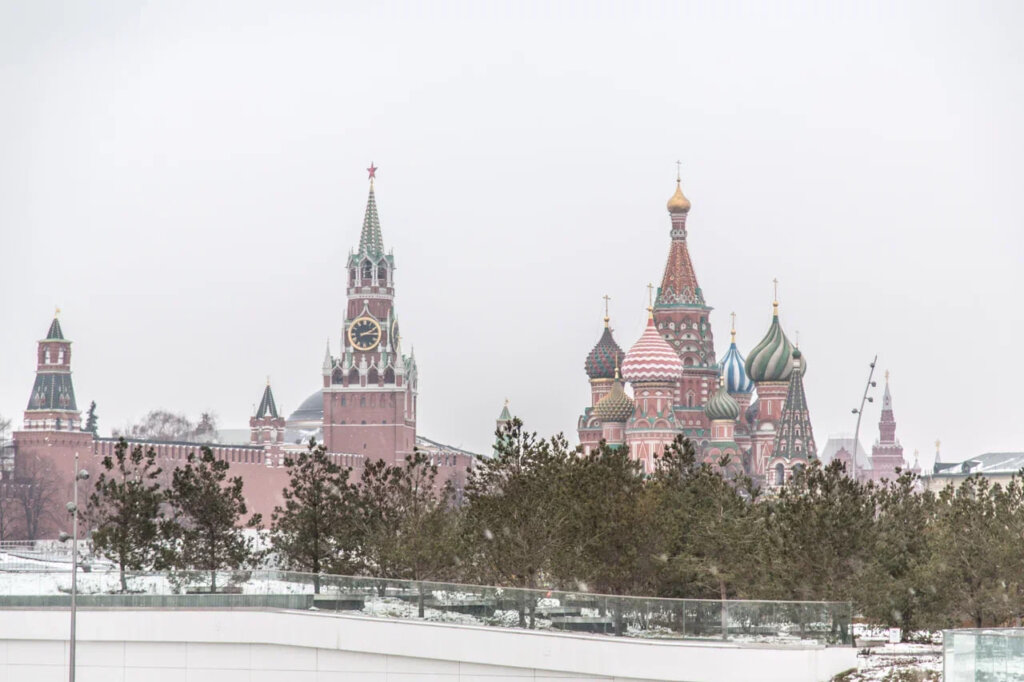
pixel 678 203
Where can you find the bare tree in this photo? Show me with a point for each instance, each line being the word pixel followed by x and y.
pixel 37 495
pixel 9 515
pixel 159 425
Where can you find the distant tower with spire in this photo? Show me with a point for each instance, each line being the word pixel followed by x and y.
pixel 739 386
pixel 887 453
pixel 266 427
pixel 52 406
pixel 794 444
pixel 682 319
pixel 370 388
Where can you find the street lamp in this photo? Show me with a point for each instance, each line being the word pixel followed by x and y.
pixel 80 475
pixel 860 413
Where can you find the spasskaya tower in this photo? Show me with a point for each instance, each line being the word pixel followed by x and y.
pixel 370 387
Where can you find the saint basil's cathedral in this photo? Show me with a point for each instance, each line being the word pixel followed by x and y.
pixel 680 388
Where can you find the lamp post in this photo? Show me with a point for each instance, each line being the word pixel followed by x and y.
pixel 860 413
pixel 80 475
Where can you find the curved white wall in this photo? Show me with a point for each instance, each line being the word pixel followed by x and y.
pixel 299 646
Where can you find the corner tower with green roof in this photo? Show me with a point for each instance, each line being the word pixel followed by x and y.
pixel 52 405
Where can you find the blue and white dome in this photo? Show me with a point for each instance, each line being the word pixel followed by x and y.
pixel 735 373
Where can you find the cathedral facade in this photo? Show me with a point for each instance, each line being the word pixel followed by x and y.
pixel 746 415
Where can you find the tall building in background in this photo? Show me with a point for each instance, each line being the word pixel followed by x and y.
pixel 369 390
pixel 887 453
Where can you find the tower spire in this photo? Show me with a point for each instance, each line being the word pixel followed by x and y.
pixel 370 240
pixel 795 437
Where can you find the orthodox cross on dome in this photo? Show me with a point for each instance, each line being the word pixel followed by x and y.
pixel 650 299
pixel 775 289
pixel 733 330
pixel 606 298
pixel 679 171
pixel 372 170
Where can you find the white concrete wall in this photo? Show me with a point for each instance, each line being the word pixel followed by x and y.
pixel 295 646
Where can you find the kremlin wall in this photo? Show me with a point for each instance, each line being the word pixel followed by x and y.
pixel 751 410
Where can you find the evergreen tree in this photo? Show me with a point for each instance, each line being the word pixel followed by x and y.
pixel 124 509
pixel 516 517
pixel 897 590
pixel 976 558
pixel 821 529
pixel 313 531
pixel 91 420
pixel 377 519
pixel 205 530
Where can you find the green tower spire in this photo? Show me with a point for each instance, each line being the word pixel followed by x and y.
pixel 371 243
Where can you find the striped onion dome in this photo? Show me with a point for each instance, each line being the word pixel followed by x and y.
pixel 603 358
pixel 616 406
pixel 722 405
pixel 651 358
pixel 772 359
pixel 734 373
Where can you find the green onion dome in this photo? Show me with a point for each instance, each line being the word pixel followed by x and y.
pixel 772 359
pixel 604 357
pixel 722 405
pixel 616 406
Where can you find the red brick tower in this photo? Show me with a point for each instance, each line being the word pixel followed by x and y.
pixel 45 448
pixel 370 390
pixel 682 318
pixel 887 453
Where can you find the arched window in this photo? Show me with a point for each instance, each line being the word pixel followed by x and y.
pixel 372 377
pixel 389 377
pixel 367 270
pixel 337 377
pixel 353 376
pixel 352 276
pixel 780 474
pixel 382 273
pixel 689 399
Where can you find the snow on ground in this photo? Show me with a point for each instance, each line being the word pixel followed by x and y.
pixel 879 661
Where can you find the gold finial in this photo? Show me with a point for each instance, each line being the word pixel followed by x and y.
pixel 886 377
pixel 268 380
pixel 617 375
pixel 733 330
pixel 938 443
pixel 606 318
pixel 797 338
pixel 650 300
pixel 678 203
pixel 775 296
pixel 56 311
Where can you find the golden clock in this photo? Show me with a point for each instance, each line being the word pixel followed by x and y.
pixel 364 333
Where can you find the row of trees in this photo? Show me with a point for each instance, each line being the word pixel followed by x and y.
pixel 540 515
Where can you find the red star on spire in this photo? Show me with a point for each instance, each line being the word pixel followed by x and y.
pixel 372 170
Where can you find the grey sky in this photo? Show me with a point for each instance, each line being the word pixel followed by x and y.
pixel 184 180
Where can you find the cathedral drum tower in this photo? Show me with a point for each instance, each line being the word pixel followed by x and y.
pixel 682 318
pixel 370 390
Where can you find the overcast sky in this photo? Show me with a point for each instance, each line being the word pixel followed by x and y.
pixel 185 179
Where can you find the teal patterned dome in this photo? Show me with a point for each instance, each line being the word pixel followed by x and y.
pixel 722 406
pixel 772 359
pixel 616 406
pixel 604 357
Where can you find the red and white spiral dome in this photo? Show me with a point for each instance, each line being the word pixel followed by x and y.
pixel 651 358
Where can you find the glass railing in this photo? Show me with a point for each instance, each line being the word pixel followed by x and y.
pixel 994 655
pixel 738 621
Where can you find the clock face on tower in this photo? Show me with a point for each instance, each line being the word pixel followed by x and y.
pixel 364 333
